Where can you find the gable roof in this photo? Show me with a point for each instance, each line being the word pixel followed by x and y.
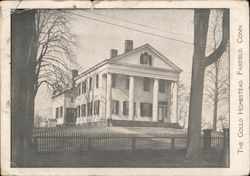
pixel 106 61
pixel 161 56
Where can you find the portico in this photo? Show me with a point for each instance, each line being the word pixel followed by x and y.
pixel 164 104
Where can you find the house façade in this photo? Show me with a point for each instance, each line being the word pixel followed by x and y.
pixel 137 87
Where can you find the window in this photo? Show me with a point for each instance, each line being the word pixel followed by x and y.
pixel 146 59
pixel 115 107
pixel 72 99
pixel 146 109
pixel 83 110
pixel 96 107
pixel 84 86
pixel 97 81
pixel 90 108
pixel 90 83
pixel 146 84
pixel 57 112
pixel 78 111
pixel 162 86
pixel 61 111
pixel 78 89
pixel 113 80
pixel 125 108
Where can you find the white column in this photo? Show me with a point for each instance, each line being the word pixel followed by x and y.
pixel 174 102
pixel 169 101
pixel 108 96
pixel 131 98
pixel 155 100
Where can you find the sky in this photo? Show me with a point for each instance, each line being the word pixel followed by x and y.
pixel 169 31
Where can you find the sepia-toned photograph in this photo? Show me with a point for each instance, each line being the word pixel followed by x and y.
pixel 111 88
pixel 125 87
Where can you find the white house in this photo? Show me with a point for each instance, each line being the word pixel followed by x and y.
pixel 137 85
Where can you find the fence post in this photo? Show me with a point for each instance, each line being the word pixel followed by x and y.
pixel 133 143
pixel 207 139
pixel 225 151
pixel 89 143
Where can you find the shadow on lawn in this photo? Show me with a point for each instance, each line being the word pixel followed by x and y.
pixel 159 158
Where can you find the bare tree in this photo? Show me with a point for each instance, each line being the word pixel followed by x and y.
pixel 200 62
pixel 216 77
pixel 42 51
pixel 183 99
pixel 55 50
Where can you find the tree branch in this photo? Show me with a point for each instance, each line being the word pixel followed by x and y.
pixel 213 57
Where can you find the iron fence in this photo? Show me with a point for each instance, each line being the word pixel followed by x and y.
pixel 56 141
pixel 49 141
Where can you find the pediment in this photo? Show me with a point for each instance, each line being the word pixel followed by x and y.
pixel 146 56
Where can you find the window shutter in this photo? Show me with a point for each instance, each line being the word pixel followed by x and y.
pixel 150 110
pixel 134 108
pixel 141 59
pixel 97 81
pixel 98 106
pixel 150 60
pixel 117 107
pixel 124 108
pixel 141 110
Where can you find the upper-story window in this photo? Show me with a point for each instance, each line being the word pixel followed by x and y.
pixel 146 59
pixel 90 83
pixel 97 81
pixel 146 84
pixel 84 86
pixel 79 89
pixel 162 86
pixel 113 80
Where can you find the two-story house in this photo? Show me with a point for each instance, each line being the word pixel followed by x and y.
pixel 138 85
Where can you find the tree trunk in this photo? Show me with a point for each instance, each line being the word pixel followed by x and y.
pixel 201 18
pixel 22 86
pixel 215 96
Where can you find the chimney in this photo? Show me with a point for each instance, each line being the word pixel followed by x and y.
pixel 74 73
pixel 128 45
pixel 113 53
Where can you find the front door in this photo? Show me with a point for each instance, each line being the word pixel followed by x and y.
pixel 160 113
pixel 70 116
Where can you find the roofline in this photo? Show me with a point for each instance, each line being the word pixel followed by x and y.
pixel 100 64
pixel 96 66
pixel 154 50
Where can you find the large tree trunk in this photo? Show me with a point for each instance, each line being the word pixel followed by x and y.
pixel 200 62
pixel 22 86
pixel 201 18
pixel 215 96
